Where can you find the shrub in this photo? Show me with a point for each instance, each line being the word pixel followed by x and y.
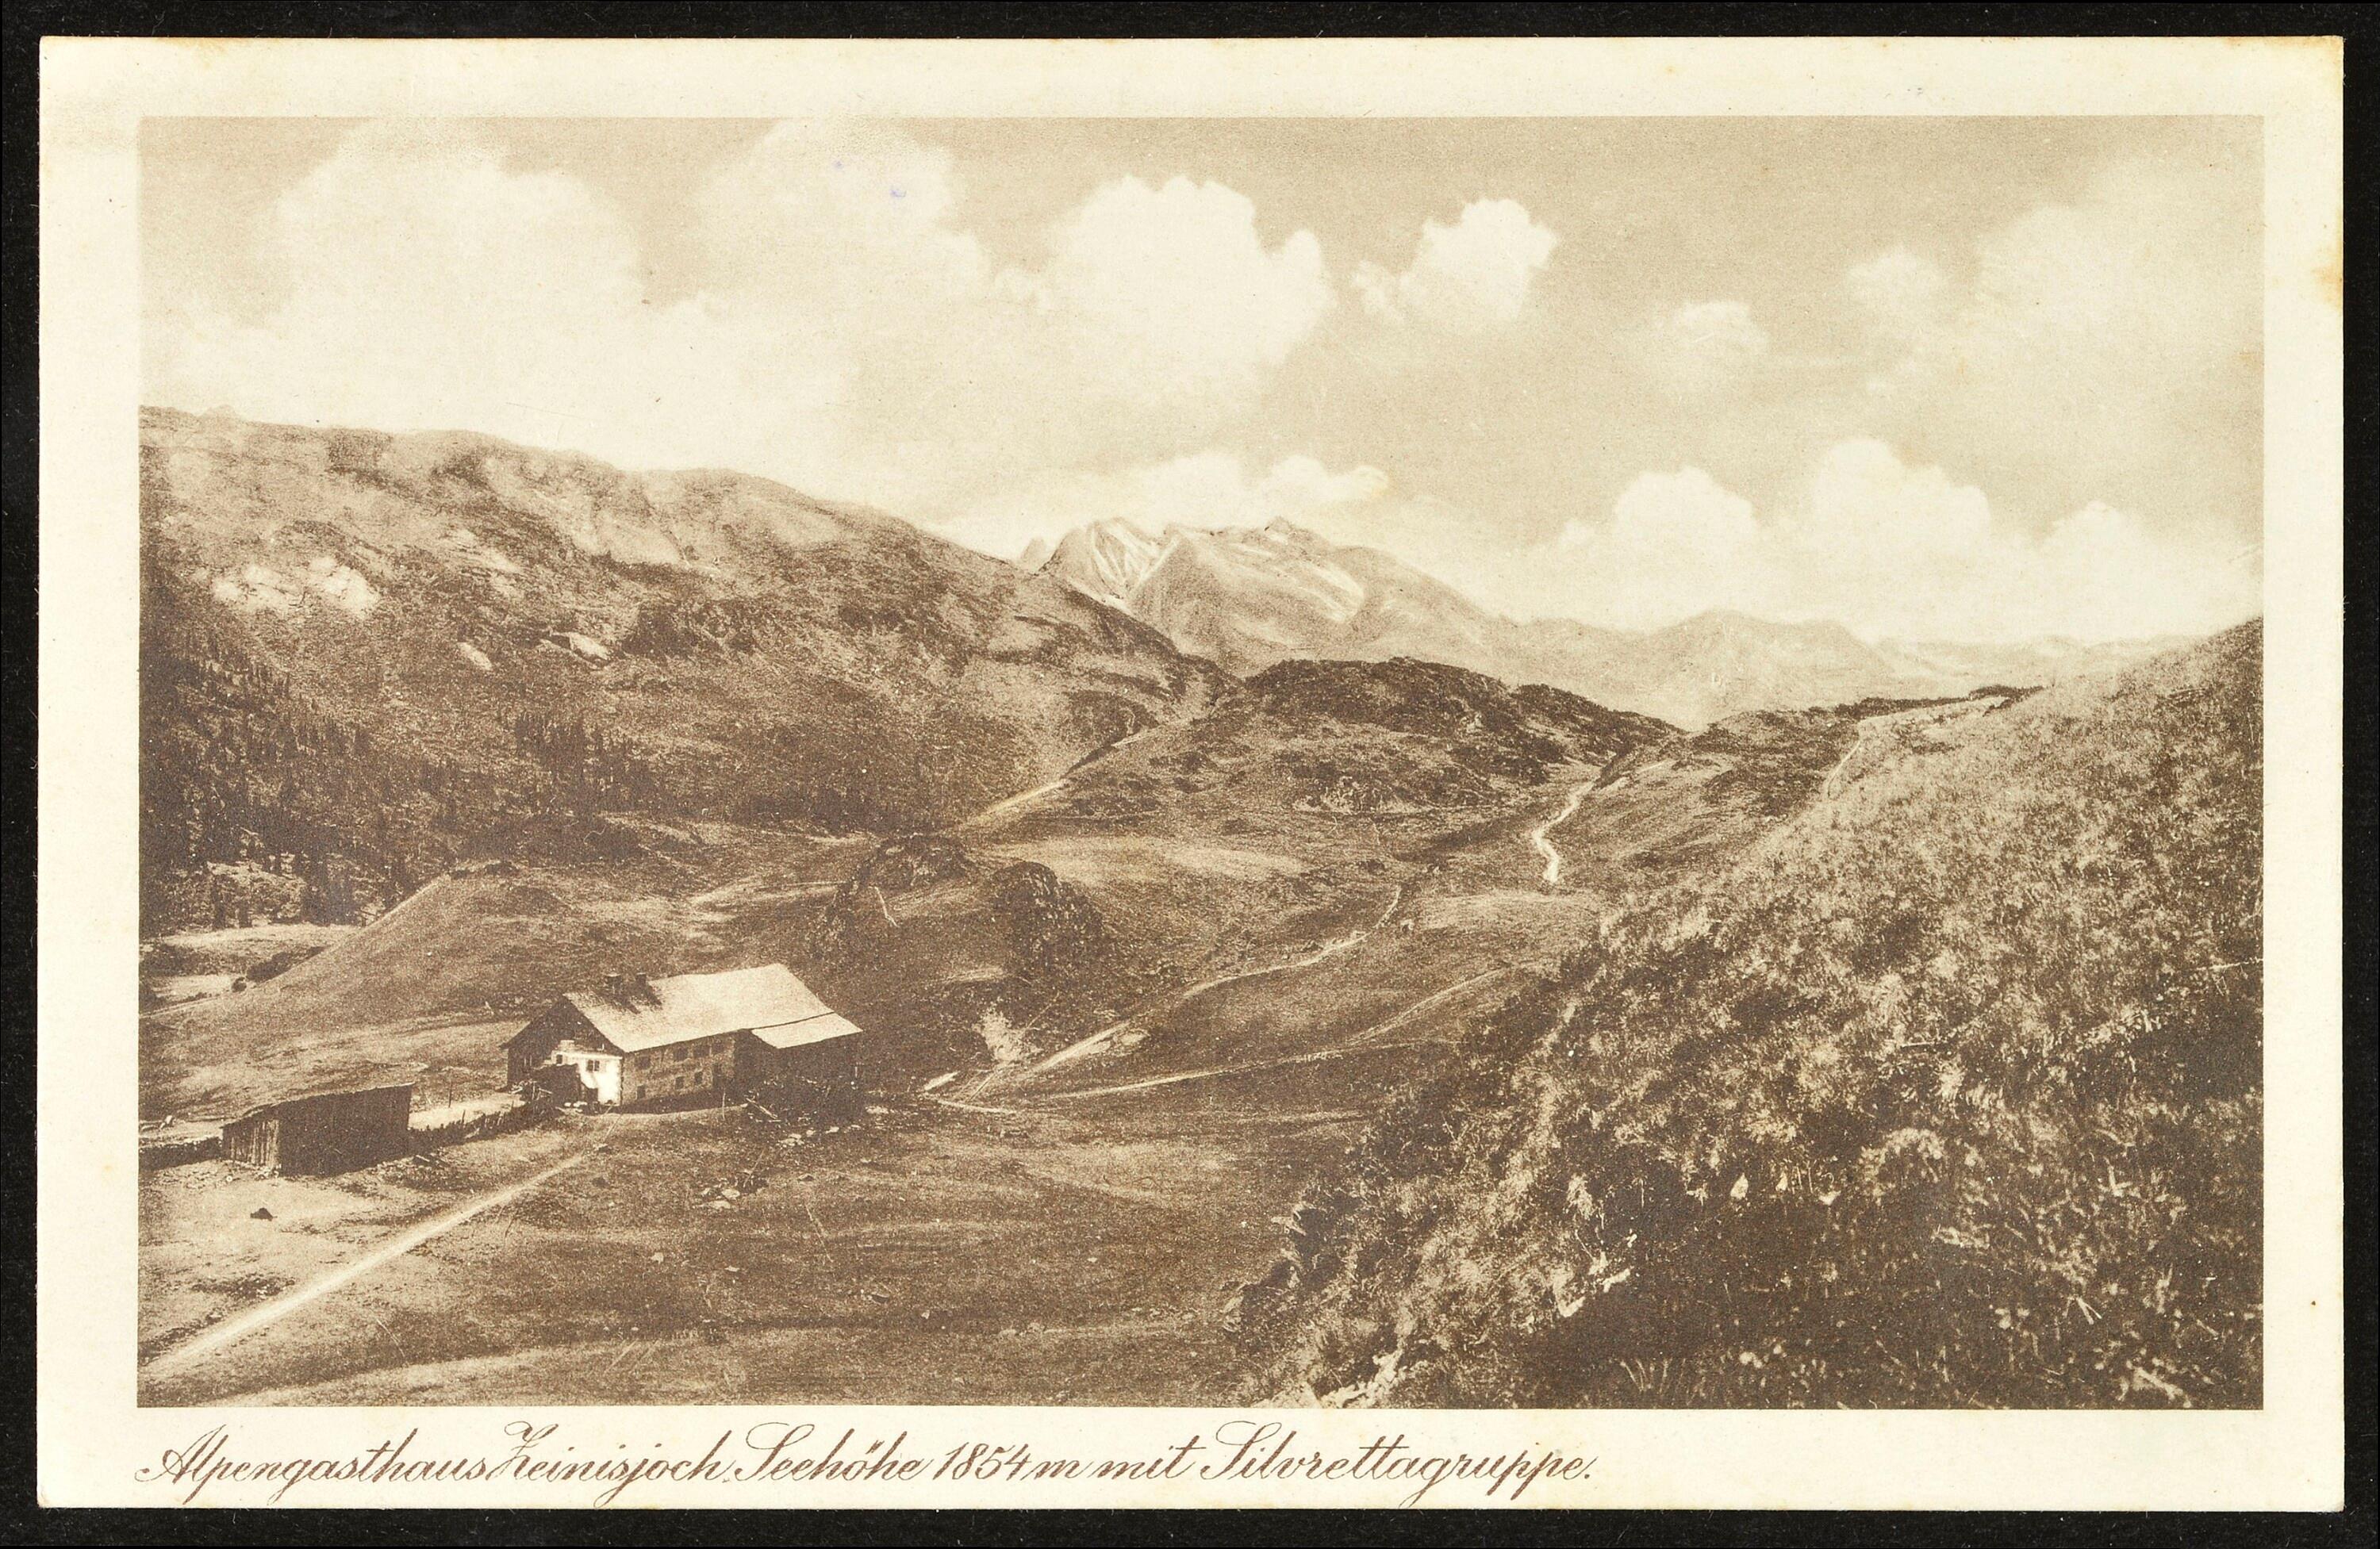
pixel 1945 1094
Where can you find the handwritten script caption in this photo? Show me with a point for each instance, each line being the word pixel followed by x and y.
pixel 790 1452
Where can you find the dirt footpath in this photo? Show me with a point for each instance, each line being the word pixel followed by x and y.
pixel 966 1259
pixel 1072 1239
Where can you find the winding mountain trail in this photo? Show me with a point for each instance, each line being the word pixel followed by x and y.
pixel 1365 1042
pixel 1332 948
pixel 1049 787
pixel 1544 846
pixel 711 905
pixel 1281 1062
pixel 1022 798
pixel 1886 731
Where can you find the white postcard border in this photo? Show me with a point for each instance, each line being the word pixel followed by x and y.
pixel 94 1441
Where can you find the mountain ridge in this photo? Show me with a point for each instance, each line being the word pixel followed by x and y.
pixel 1249 596
pixel 368 656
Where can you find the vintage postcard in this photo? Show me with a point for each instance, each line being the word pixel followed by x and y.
pixel 1445 773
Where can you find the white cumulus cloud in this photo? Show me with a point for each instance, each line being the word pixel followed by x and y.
pixel 2117 333
pixel 1175 279
pixel 1472 275
pixel 1863 499
pixel 1892 549
pixel 1677 544
pixel 845 332
pixel 429 286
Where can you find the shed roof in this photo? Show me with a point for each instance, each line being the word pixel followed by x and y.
pixel 768 1001
pixel 825 1027
pixel 319 1095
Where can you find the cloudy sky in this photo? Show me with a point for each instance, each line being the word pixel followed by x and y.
pixel 1951 377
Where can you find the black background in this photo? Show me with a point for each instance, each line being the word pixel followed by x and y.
pixel 22 1521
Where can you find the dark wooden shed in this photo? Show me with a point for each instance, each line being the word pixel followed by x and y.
pixel 329 1132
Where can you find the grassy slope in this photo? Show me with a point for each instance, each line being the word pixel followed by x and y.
pixel 1946 1094
pixel 1302 747
pixel 366 656
pixel 483 949
pixel 433 986
pixel 1078 1238
pixel 1059 923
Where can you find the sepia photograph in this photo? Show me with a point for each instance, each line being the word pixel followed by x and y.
pixel 1280 762
pixel 1471 763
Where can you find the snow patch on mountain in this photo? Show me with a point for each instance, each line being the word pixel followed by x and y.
pixel 1248 597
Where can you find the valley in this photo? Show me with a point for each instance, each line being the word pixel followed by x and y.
pixel 1201 1001
pixel 1074 1231
pixel 1076 1227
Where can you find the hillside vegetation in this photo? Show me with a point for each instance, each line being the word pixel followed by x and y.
pixel 365 656
pixel 1052 916
pixel 1397 739
pixel 1946 1093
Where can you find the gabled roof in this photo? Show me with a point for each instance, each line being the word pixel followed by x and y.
pixel 766 1001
